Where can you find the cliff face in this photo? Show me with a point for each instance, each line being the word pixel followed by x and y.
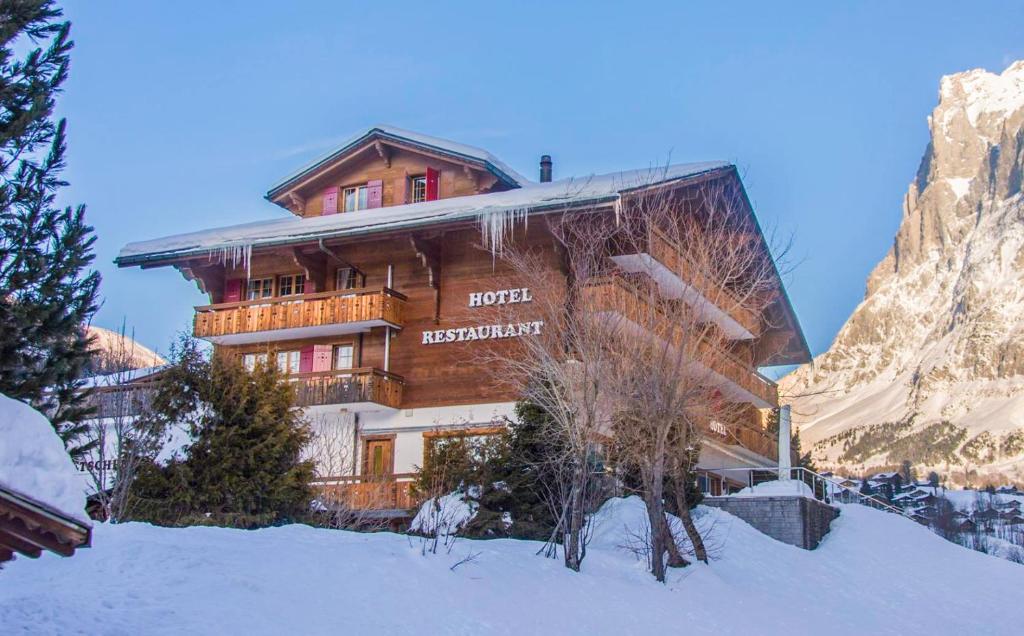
pixel 939 336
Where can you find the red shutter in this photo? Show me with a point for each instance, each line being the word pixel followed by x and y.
pixel 322 357
pixel 306 359
pixel 433 183
pixel 233 291
pixel 374 193
pixel 330 201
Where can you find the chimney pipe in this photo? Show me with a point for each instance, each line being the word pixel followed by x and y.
pixel 545 168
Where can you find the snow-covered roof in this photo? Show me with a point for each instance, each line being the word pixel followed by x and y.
pixel 34 463
pixel 121 377
pixel 459 150
pixel 491 208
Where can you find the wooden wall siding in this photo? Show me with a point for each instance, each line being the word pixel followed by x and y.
pixel 294 312
pixel 615 294
pixel 456 179
pixel 391 492
pixel 348 387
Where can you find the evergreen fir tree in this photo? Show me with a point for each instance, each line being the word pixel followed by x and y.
pixel 46 293
pixel 244 467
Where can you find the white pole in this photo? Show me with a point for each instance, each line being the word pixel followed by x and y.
pixel 387 349
pixel 785 461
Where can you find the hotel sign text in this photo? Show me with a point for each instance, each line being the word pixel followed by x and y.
pixel 488 332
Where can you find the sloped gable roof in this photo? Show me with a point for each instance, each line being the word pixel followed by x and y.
pixel 453 149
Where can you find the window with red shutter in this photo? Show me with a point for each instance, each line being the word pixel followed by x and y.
pixel 433 184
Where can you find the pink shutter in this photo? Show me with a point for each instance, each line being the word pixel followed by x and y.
pixel 322 357
pixel 433 184
pixel 233 291
pixel 330 201
pixel 306 359
pixel 374 193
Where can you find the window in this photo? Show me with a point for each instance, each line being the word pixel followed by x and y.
pixel 288 361
pixel 346 278
pixel 419 189
pixel 291 285
pixel 260 288
pixel 355 198
pixel 250 360
pixel 343 357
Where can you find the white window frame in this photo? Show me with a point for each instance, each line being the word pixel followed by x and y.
pixel 351 356
pixel 289 362
pixel 294 281
pixel 418 188
pixel 250 360
pixel 266 286
pixel 360 198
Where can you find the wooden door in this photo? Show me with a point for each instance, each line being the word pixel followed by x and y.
pixel 378 457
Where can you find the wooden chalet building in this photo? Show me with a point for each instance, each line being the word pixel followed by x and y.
pixel 364 293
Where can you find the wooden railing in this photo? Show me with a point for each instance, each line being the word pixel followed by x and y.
pixel 614 293
pixel 384 492
pixel 303 310
pixel 664 250
pixel 120 401
pixel 347 387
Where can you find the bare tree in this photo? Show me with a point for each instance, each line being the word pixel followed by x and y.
pixel 696 302
pixel 126 438
pixel 647 327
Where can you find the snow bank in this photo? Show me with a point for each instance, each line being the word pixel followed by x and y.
pixel 33 461
pixel 875 573
pixel 777 488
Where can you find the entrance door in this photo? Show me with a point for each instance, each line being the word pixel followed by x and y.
pixel 378 457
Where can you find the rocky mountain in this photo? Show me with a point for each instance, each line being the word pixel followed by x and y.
pixel 930 366
pixel 117 352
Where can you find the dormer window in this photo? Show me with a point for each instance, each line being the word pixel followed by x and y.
pixel 355 198
pixel 419 189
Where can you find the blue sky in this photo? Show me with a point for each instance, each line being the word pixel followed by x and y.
pixel 182 114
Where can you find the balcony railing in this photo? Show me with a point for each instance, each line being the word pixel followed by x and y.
pixel 677 275
pixel 384 492
pixel 287 317
pixel 615 294
pixel 356 387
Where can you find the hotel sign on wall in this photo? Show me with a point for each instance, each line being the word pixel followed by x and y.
pixel 488 332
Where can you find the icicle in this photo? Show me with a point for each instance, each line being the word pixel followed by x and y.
pixel 495 224
pixel 235 254
pixel 618 207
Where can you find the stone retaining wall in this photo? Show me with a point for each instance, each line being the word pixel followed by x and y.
pixel 797 521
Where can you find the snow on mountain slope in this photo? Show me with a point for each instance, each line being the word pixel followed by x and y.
pixel 875 573
pixel 939 336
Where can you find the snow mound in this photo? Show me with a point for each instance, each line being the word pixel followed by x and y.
pixel 33 461
pixel 445 515
pixel 875 573
pixel 777 488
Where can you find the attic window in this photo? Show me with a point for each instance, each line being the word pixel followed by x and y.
pixel 355 198
pixel 419 189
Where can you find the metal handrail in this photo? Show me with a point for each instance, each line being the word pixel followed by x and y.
pixel 815 479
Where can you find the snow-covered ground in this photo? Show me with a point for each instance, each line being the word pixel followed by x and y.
pixel 874 574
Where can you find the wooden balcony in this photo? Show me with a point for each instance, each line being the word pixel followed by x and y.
pixel 737 380
pixel 301 316
pixel 679 278
pixel 357 389
pixel 384 493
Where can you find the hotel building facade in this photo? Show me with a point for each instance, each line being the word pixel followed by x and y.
pixel 364 294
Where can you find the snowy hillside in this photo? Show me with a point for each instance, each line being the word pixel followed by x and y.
pixel 939 337
pixel 113 348
pixel 874 574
